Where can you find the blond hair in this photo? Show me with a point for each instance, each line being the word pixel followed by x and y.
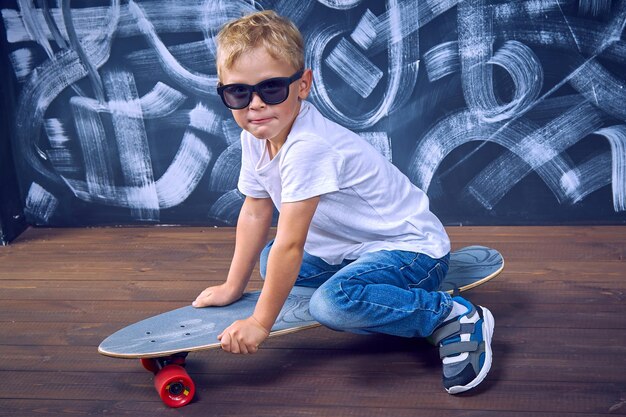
pixel 278 35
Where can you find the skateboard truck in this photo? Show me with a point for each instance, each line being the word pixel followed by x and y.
pixel 171 380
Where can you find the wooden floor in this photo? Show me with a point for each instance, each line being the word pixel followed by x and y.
pixel 559 345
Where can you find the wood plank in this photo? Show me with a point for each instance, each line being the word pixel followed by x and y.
pixel 507 308
pixel 121 408
pixel 153 235
pixel 608 344
pixel 581 301
pixel 173 245
pixel 277 387
pixel 387 360
pixel 558 348
pixel 601 280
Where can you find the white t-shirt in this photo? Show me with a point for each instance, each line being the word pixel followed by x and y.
pixel 366 203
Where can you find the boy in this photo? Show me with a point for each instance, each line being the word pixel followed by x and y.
pixel 350 222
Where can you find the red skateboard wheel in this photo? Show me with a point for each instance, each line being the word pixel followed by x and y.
pixel 174 386
pixel 150 364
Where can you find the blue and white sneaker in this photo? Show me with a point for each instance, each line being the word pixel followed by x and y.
pixel 465 347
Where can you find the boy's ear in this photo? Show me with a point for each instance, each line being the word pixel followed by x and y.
pixel 304 86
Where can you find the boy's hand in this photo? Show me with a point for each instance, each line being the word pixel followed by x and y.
pixel 219 295
pixel 243 336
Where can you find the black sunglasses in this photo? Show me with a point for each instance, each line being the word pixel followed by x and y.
pixel 271 91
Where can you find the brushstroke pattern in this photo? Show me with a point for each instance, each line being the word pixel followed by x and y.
pixel 401 74
pixel 227 207
pixel 616 135
pixel 132 141
pixel 542 152
pixel 40 204
pixel 117 104
pixel 442 60
pixel 354 68
pixel 61 154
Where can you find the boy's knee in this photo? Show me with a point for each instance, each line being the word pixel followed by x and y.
pixel 318 307
pixel 324 309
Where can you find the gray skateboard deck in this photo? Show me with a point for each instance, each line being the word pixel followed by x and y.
pixel 191 329
pixel 470 267
pixel 162 342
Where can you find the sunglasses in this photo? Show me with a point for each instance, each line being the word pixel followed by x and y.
pixel 271 91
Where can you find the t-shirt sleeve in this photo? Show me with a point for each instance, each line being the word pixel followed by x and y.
pixel 309 168
pixel 248 183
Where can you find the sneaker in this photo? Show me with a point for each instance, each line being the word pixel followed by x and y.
pixel 465 347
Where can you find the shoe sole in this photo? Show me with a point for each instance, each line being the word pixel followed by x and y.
pixel 488 327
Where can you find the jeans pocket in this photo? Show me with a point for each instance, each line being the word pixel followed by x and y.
pixel 432 278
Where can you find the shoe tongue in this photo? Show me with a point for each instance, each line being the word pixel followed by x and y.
pixel 457 310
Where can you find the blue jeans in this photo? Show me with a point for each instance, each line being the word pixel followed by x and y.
pixel 391 292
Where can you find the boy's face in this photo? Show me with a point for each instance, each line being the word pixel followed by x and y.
pixel 262 120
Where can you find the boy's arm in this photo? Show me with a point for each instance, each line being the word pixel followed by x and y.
pixel 283 265
pixel 253 226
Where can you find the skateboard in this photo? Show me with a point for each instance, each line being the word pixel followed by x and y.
pixel 163 342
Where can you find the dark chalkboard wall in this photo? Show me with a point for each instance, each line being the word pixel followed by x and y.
pixel 505 112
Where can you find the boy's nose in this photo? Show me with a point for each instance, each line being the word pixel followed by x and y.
pixel 256 101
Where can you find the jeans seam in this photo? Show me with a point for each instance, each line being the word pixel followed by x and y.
pixel 400 268
pixel 419 284
pixel 415 258
pixel 301 278
pixel 417 255
pixel 436 269
pixel 380 305
pixel 371 270
pixel 375 304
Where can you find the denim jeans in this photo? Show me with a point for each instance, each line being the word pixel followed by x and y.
pixel 391 292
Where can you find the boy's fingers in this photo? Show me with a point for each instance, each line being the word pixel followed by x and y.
pixel 200 301
pixel 234 344
pixel 239 340
pixel 225 339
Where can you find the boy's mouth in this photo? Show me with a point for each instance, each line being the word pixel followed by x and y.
pixel 260 120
